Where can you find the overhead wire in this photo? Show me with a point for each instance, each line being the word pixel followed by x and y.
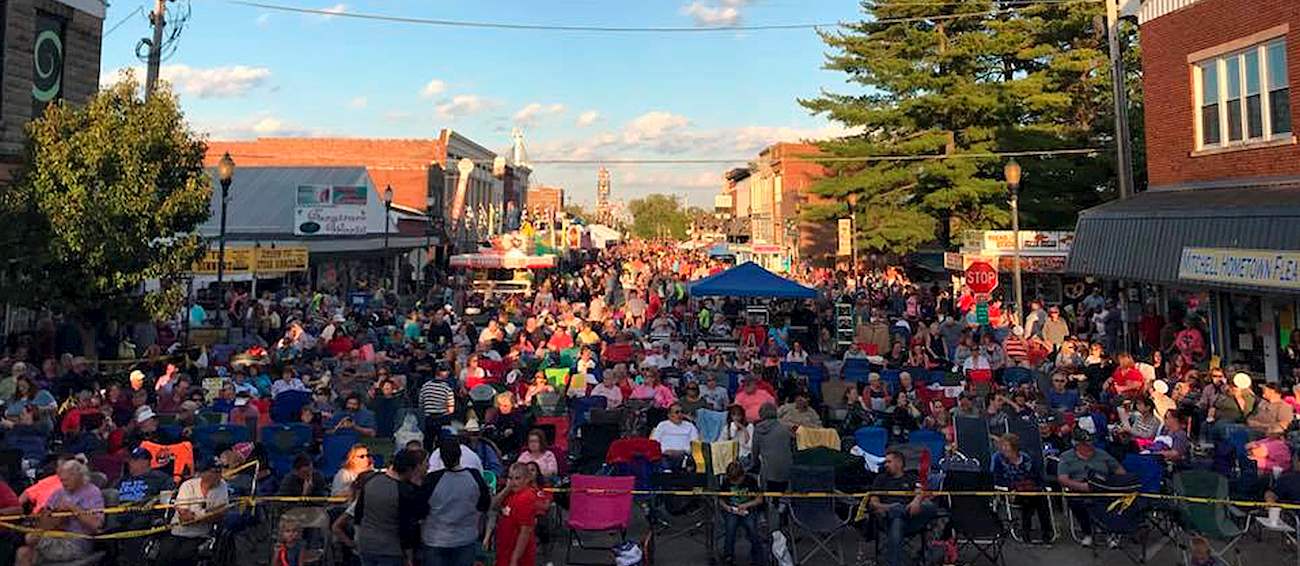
pixel 133 13
pixel 633 29
pixel 826 159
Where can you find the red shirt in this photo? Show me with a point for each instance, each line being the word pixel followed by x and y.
pixel 1124 378
pixel 7 496
pixel 518 511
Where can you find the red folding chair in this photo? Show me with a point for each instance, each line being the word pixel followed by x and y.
pixel 598 505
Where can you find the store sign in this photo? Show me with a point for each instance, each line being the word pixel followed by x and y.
pixel 47 60
pixel 952 261
pixel 1031 241
pixel 767 249
pixel 1033 264
pixel 845 237
pixel 254 260
pixel 324 210
pixel 1261 268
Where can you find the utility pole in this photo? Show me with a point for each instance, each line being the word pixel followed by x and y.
pixel 1123 143
pixel 159 20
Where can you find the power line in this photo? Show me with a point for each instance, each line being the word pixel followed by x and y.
pixel 827 159
pixel 133 13
pixel 621 29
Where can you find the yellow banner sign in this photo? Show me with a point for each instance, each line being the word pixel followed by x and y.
pixel 254 260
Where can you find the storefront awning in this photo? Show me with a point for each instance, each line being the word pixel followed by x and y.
pixel 1145 238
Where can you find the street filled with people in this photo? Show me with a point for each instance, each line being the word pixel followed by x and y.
pixel 448 426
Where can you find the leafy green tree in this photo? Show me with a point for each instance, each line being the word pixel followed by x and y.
pixel 658 216
pixel 109 197
pixel 965 77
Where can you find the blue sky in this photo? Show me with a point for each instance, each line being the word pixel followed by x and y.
pixel 244 72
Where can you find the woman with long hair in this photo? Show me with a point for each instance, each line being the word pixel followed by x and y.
pixel 740 430
pixel 537 451
pixel 357 462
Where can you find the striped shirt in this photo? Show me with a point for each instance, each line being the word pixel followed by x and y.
pixel 437 398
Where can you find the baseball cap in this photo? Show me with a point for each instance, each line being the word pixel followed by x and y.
pixel 1081 435
pixel 208 465
pixel 141 454
pixel 143 414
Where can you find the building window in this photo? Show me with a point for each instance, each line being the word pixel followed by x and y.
pixel 1242 96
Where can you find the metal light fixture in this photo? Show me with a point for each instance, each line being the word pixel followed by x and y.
pixel 388 214
pixel 1012 173
pixel 225 174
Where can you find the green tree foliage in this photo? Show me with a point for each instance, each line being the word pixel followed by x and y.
pixel 659 216
pixel 969 76
pixel 109 197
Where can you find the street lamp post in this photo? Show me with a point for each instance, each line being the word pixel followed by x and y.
pixel 388 214
pixel 1012 173
pixel 225 174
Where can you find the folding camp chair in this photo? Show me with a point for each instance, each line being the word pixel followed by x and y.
pixel 872 440
pixel 1031 444
pixel 598 505
pixel 681 517
pixel 1214 521
pixel 582 407
pixel 932 441
pixel 210 440
pixel 334 450
pixel 973 521
pixel 557 431
pixel 286 406
pixel 855 370
pixel 1014 376
pixel 283 442
pixel 973 439
pixel 815 517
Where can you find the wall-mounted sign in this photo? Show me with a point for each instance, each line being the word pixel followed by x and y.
pixel 265 260
pixel 47 60
pixel 845 233
pixel 324 210
pixel 1032 242
pixel 1260 268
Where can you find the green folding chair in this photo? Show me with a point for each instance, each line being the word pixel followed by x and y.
pixel 1217 522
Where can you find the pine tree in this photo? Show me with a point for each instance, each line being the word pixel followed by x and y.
pixel 965 77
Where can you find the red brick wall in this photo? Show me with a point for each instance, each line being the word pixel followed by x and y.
pixel 1167 90
pixel 817 240
pixel 401 163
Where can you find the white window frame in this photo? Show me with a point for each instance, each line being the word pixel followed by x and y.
pixel 1258 44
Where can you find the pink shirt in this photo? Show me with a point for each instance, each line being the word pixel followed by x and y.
pixel 752 402
pixel 546 462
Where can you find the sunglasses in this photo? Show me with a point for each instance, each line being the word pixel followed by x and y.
pixel 363 456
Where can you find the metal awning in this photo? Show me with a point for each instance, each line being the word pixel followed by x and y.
pixel 1142 238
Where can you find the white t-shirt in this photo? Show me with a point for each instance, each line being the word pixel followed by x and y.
pixel 190 496
pixel 675 437
pixel 468 459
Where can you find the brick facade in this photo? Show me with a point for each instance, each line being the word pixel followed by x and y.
pixel 1167 41
pixel 790 164
pixel 543 198
pixel 80 79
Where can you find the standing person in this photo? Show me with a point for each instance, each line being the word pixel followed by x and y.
pixel 773 449
pixel 200 502
pixel 455 499
pixel 438 403
pixel 739 507
pixel 380 508
pixel 518 507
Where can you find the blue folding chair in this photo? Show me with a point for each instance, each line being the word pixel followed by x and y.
pixel 1148 469
pixel 582 407
pixel 287 406
pixel 855 370
pixel 733 383
pixel 210 440
pixel 872 439
pixel 932 441
pixel 1015 376
pixel 284 442
pixel 334 450
pixel 890 377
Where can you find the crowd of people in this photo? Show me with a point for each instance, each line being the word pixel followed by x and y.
pixel 443 401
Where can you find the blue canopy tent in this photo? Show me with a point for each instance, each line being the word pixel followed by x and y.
pixel 749 280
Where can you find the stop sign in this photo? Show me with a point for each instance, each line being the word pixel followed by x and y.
pixel 981 277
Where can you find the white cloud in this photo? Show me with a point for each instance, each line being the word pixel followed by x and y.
pixel 260 125
pixel 534 112
pixel 397 116
pixel 587 119
pixel 358 102
pixel 263 20
pixel 213 82
pixel 715 12
pixel 433 88
pixel 653 126
pixel 462 105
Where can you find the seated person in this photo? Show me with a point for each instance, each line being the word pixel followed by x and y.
pixel 898 515
pixel 1271 455
pixel 1273 415
pixel 80 498
pixel 354 417
pixel 798 412
pixel 304 480
pixel 675 434
pixel 1075 469
pixel 537 452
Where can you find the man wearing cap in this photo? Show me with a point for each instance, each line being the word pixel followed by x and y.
pixel 201 501
pixel 1076 467
pixel 146 427
pixel 1273 415
pixel 141 485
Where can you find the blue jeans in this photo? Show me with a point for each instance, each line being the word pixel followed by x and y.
pixel 450 555
pixel 375 560
pixel 733 522
pixel 897 523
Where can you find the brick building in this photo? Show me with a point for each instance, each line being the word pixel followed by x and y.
pixel 422 172
pixel 544 200
pixel 1216 239
pixel 778 192
pixel 51 52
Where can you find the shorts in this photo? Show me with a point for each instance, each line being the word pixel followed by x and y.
pixel 52 549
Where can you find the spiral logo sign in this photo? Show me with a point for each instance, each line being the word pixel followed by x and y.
pixel 47 61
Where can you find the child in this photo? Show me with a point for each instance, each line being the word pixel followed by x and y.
pixel 289 547
pixel 739 512
pixel 1201 555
